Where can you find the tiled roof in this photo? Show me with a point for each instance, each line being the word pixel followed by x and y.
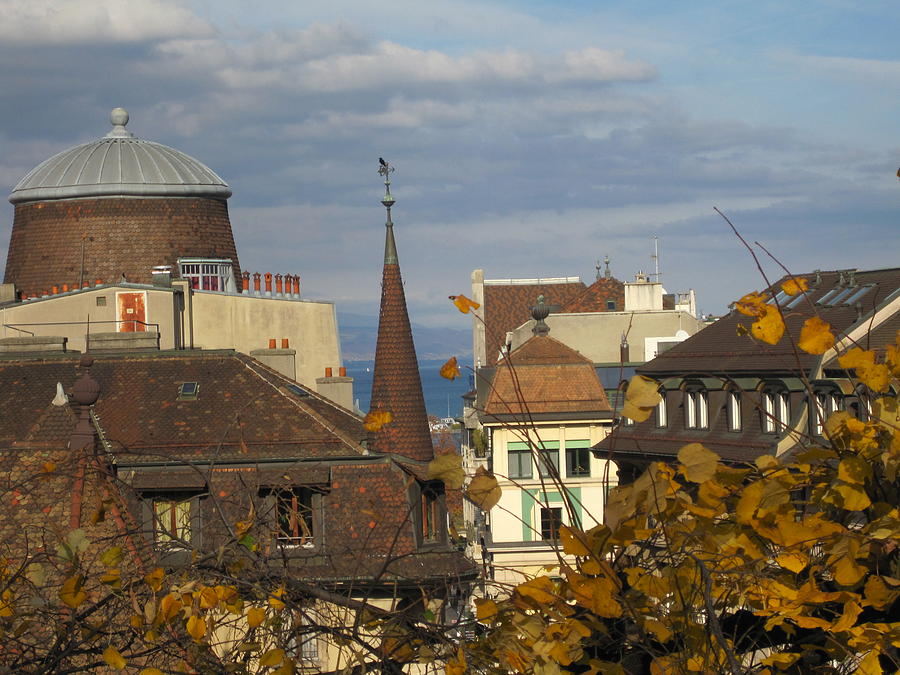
pixel 242 410
pixel 396 385
pixel 545 376
pixel 508 306
pixel 718 348
pixel 595 297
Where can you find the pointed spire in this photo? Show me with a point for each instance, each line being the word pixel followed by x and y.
pixel 396 385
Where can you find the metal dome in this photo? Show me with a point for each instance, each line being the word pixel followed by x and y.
pixel 119 165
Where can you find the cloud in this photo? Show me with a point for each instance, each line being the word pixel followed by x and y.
pixel 877 72
pixel 57 22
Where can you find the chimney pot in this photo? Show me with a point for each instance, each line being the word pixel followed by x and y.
pixel 272 343
pixel 268 283
pixel 342 371
pixel 54 290
pixel 328 372
pixel 297 285
pixel 256 282
pixel 285 343
pixel 278 287
pixel 98 282
pixel 65 288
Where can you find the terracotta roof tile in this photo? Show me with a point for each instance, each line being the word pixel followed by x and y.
pixel 508 306
pixel 595 297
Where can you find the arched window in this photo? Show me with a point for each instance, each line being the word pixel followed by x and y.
pixel 775 408
pixel 733 409
pixel 662 413
pixel 696 406
pixel 826 400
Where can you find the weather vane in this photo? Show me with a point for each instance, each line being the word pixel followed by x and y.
pixel 385 170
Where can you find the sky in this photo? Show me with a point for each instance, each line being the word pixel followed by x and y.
pixel 530 139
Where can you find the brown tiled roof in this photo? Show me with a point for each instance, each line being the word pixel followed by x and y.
pixel 242 411
pixel 718 348
pixel 396 385
pixel 508 306
pixel 545 376
pixel 125 235
pixel 594 297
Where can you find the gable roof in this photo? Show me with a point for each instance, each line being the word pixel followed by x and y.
pixel 719 349
pixel 243 410
pixel 507 306
pixel 544 376
pixel 595 296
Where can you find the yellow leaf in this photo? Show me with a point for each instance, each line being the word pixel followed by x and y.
pixel 854 469
pixel 752 304
pixel 795 285
pixel 169 607
pixel 255 616
pixel 782 660
pixel 457 665
pixel 795 561
pixel 876 376
pixel 447 468
pixel 769 327
pixel 272 657
pixel 856 358
pixel 848 618
pixel 377 419
pixel 869 665
pixel 6 604
pixel 208 598
pixel 485 609
pixel 483 490
pixel 540 589
pixel 49 466
pixel 155 578
pixel 464 304
pixel 113 658
pixel 573 541
pixel 815 336
pixel 641 396
pixel 287 668
pixel 275 601
pixel 450 370
pixel 151 671
pixel 112 556
pixel 847 572
pixel 853 498
pixel 698 464
pixel 72 592
pixel 196 627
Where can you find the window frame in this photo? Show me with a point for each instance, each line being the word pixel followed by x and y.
pixel 546 450
pixel 203 273
pixel 662 411
pixel 578 450
pixel 550 519
pixel 164 541
pixel 429 513
pixel 696 407
pixel 304 508
pixel 734 411
pixel 523 460
pixel 775 408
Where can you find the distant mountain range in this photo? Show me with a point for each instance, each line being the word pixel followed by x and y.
pixel 358 333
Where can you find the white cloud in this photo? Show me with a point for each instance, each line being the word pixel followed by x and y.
pixel 96 21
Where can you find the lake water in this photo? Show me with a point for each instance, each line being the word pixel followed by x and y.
pixel 440 394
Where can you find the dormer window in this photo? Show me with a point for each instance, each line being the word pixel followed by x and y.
pixel 696 407
pixel 825 402
pixel 208 274
pixel 734 410
pixel 776 409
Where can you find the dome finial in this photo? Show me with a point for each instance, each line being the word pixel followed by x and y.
pixel 118 117
pixel 540 312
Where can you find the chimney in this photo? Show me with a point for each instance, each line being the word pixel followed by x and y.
pixel 338 389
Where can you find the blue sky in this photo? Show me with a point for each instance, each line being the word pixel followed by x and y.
pixel 530 139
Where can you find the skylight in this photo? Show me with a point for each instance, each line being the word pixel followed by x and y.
pixel 187 391
pixel 856 296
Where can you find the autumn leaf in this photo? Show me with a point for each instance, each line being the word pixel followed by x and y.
pixel 255 616
pixel 485 609
pixel 573 541
pixel 196 627
pixel 795 285
pixel 698 464
pixel 876 376
pixel 450 370
pixel 275 601
pixel 377 419
pixel 72 592
pixel 155 578
pixel 483 490
pixel 151 671
pixel 815 336
pixel 457 665
pixel 641 396
pixel 272 657
pixel 540 589
pixel 112 556
pixel 113 658
pixel 752 304
pixel 49 467
pixel 464 304
pixel 447 468
pixel 769 327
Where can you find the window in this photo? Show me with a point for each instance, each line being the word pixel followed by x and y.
pixel 662 413
pixel 187 391
pixel 578 458
pixel 303 642
pixel 551 519
pixel 696 409
pixel 825 403
pixel 208 275
pixel 172 522
pixel 734 411
pixel 293 516
pixel 519 455
pixel 776 410
pixel 857 295
pixel 430 516
pixel 548 459
pixel 610 305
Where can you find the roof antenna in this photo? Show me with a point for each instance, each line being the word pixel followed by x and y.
pixel 655 258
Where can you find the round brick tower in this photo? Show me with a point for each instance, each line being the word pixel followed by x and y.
pixel 116 206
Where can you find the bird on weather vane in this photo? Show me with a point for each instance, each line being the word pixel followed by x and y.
pixel 385 168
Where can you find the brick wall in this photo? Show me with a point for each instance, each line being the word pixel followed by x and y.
pixel 124 235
